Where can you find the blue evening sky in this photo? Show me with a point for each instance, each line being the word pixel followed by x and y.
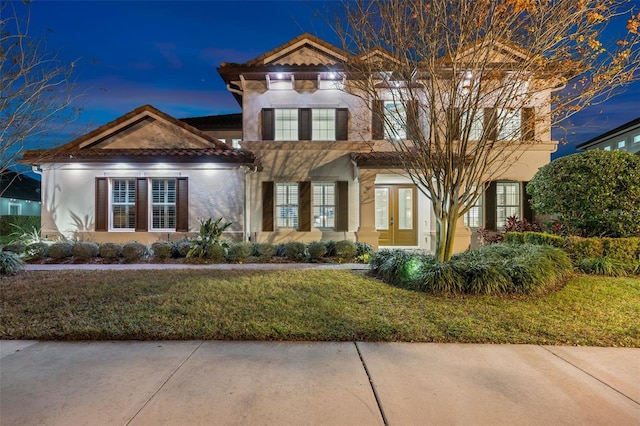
pixel 165 53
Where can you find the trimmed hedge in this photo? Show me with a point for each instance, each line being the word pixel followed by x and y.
pixel 540 238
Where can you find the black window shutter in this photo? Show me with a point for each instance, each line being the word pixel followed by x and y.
pixel 142 201
pixel 268 124
pixel 267 206
pixel 342 124
pixel 342 205
pixel 490 207
pixel 377 120
pixel 304 204
pixel 182 205
pixel 527 211
pixel 413 120
pixel 102 203
pixel 304 124
pixel 491 123
pixel 528 124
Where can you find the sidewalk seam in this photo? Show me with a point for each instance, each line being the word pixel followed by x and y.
pixel 164 383
pixel 590 375
pixel 373 387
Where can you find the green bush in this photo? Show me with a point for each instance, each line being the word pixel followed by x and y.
pixel 9 223
pixel 216 253
pixel 513 238
pixel 603 266
pixel 181 248
pixel 345 250
pixel 133 251
pixel 264 251
pixel 110 251
pixel 239 252
pixel 583 248
pixel 85 250
pixel 363 248
pixel 162 249
pixel 10 263
pixel 295 250
pixel 17 248
pixel 60 250
pixel 37 251
pixel 539 238
pixel 623 249
pixel 316 250
pixel 209 236
pixel 331 249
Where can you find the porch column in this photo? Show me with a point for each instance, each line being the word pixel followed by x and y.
pixel 366 232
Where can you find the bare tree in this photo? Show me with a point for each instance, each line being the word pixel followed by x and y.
pixel 35 86
pixel 477 82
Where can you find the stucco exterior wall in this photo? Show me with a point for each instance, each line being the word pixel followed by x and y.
pixel 68 198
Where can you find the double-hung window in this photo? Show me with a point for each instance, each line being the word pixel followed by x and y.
pixel 123 202
pixel 507 202
pixel 324 205
pixel 287 205
pixel 395 118
pixel 286 124
pixel 510 124
pixel 473 217
pixel 163 204
pixel 323 124
pixel 474 125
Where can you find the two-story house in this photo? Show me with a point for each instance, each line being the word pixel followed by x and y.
pixel 313 163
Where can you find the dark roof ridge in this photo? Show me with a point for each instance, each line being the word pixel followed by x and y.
pixel 610 132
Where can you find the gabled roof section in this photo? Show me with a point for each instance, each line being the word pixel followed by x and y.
pixel 504 52
pixel 306 49
pixel 144 134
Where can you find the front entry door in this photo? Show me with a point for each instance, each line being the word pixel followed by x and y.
pixel 396 215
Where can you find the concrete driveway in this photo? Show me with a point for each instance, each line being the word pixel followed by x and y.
pixel 287 383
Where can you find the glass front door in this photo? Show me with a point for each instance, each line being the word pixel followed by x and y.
pixel 396 215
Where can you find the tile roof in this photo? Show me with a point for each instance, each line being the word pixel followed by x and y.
pixel 215 122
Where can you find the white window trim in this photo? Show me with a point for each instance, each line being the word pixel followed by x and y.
pixel 18 205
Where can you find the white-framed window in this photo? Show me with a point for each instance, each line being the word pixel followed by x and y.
pixel 507 202
pixel 323 124
pixel 163 204
pixel 222 140
pixel 607 148
pixel 477 124
pixel 286 124
pixel 510 124
pixel 473 217
pixel 235 143
pixel 622 145
pixel 287 205
pixel 636 139
pixel 123 204
pixel 14 209
pixel 395 117
pixel 324 205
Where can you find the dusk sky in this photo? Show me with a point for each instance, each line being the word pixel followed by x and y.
pixel 165 53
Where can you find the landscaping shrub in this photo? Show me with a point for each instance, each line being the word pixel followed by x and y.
pixel 17 248
pixel 239 252
pixel 133 251
pixel 539 238
pixel 162 249
pixel 316 250
pixel 331 249
pixel 10 263
pixel 622 249
pixel 181 248
pixel 583 248
pixel 363 248
pixel 216 253
pixel 110 251
pixel 264 251
pixel 603 265
pixel 345 250
pixel 85 250
pixel 495 269
pixel 295 250
pixel 37 251
pixel 60 250
pixel 210 235
pixel 9 223
pixel 280 251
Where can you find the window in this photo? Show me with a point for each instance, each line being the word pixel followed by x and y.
pixel 510 124
pixel 324 205
pixel 607 148
pixel 622 145
pixel 286 124
pixel 123 202
pixel 222 140
pixel 472 218
pixel 323 124
pixel 636 139
pixel 236 143
pixel 395 116
pixel 475 131
pixel 15 209
pixel 287 205
pixel 507 202
pixel 163 204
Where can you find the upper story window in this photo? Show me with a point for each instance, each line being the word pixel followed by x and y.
pixel 287 205
pixel 636 139
pixel 323 124
pixel 509 124
pixel 395 118
pixel 607 148
pixel 163 204
pixel 324 205
pixel 286 124
pixel 123 202
pixel 622 145
pixel 476 124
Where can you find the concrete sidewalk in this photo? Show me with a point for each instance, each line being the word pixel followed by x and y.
pixel 287 383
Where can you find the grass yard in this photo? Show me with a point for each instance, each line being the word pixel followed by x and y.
pixel 306 305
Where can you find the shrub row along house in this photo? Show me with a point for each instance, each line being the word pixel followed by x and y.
pixel 306 160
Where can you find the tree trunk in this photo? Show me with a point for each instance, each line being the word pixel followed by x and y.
pixel 445 235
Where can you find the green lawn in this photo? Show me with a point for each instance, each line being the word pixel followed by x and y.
pixel 306 305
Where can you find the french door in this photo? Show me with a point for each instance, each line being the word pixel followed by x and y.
pixel 396 215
